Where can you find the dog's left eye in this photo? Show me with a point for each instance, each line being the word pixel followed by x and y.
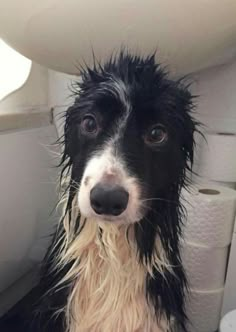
pixel 89 124
pixel 156 135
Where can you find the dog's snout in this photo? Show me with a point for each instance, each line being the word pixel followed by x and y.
pixel 109 200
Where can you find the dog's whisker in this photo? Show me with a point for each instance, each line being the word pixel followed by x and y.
pixel 159 199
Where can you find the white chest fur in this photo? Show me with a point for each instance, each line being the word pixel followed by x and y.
pixel 108 293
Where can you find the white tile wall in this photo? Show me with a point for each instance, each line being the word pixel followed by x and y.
pixel 216 88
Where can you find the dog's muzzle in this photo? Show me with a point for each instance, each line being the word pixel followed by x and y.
pixel 108 199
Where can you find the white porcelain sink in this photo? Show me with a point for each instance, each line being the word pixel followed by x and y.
pixel 189 35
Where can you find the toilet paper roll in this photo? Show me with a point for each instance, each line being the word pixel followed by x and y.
pixel 218 158
pixel 210 215
pixel 229 302
pixel 204 310
pixel 205 267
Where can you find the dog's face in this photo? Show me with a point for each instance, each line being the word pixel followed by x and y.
pixel 129 136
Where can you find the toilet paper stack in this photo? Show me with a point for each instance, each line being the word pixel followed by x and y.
pixel 217 159
pixel 210 212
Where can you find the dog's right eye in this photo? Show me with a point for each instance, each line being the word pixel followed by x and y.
pixel 89 125
pixel 156 135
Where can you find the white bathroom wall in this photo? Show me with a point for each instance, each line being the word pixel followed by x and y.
pixel 28 180
pixel 216 104
pixel 59 88
pixel 60 96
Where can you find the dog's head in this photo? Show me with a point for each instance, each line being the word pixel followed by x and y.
pixel 129 138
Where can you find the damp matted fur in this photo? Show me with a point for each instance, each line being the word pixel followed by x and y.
pixel 110 290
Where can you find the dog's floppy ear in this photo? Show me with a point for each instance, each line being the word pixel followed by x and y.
pixel 189 123
pixel 183 103
pixel 68 143
pixel 69 133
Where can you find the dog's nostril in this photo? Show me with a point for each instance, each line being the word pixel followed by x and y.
pixel 97 206
pixel 116 209
pixel 109 200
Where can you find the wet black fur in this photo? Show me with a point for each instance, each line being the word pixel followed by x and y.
pixel 162 171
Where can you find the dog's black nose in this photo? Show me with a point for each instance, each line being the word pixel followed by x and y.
pixel 109 200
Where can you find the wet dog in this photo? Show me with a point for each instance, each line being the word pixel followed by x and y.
pixel 114 264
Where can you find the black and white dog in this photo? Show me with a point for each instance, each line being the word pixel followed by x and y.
pixel 114 265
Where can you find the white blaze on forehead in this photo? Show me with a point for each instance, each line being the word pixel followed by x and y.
pixel 108 167
pixel 120 90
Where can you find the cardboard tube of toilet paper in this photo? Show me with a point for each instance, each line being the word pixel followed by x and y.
pixel 217 157
pixel 204 310
pixel 210 212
